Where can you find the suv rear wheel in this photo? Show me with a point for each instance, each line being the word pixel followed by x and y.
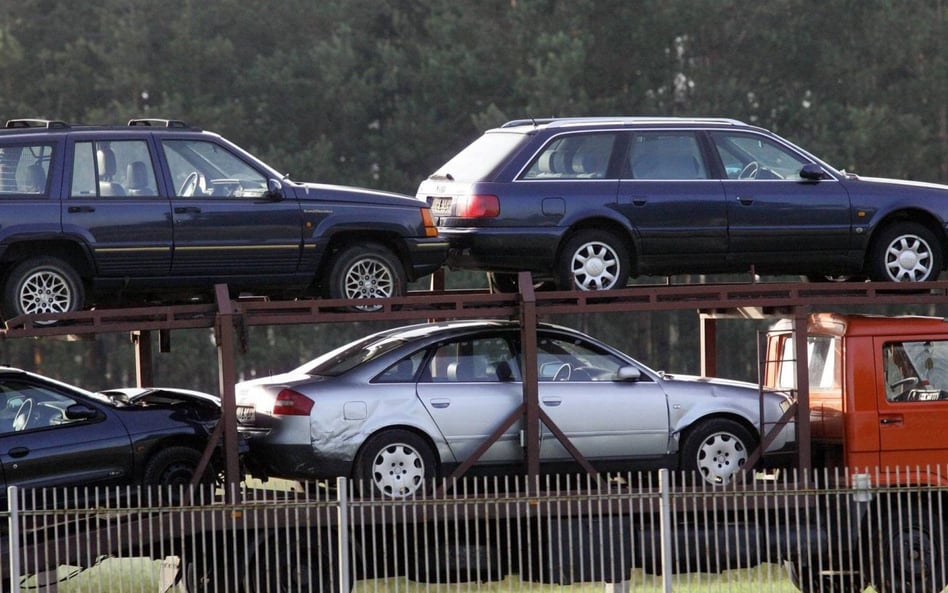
pixel 42 284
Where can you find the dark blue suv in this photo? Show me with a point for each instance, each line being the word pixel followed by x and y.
pixel 157 210
pixel 588 203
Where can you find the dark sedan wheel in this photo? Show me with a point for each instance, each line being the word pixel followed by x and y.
pixel 717 449
pixel 42 285
pixel 593 260
pixel 366 272
pixel 905 252
pixel 395 464
pixel 172 469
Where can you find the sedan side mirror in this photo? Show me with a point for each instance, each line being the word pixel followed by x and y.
pixel 81 412
pixel 628 373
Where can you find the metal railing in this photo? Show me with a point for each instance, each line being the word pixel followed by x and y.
pixel 827 531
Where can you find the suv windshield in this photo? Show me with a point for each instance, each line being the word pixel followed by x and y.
pixel 481 157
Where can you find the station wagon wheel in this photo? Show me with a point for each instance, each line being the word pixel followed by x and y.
pixel 905 252
pixel 395 464
pixel 42 285
pixel 717 449
pixel 594 260
pixel 365 272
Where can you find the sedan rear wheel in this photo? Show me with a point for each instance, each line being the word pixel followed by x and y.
pixel 395 464
pixel 905 252
pixel 717 449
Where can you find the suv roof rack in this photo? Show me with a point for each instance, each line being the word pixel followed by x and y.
pixel 35 123
pixel 159 123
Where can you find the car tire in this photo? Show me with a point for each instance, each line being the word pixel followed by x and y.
pixel 504 282
pixel 395 464
pixel 905 252
pixel 366 271
pixel 716 449
pixel 171 470
pixel 40 285
pixel 593 260
pixel 911 546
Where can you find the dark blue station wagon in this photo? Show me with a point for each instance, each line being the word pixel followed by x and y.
pixel 588 203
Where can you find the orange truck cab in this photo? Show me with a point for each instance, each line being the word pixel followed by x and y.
pixel 878 392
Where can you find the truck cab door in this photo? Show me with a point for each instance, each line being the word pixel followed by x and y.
pixel 913 403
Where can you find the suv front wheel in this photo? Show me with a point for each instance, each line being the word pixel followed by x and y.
pixel 42 284
pixel 366 272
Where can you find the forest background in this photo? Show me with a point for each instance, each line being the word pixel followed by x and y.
pixel 378 93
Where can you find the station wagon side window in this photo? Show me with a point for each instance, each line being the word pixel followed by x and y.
pixel 752 156
pixel 915 371
pixel 200 168
pixel 573 156
pixel 24 169
pixel 113 168
pixel 477 360
pixel 671 155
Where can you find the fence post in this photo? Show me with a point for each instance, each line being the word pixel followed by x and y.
pixel 342 490
pixel 665 521
pixel 13 505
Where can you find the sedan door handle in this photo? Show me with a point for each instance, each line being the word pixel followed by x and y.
pixel 745 201
pixel 18 452
pixel 77 209
pixel 187 210
pixel 552 402
pixel 440 403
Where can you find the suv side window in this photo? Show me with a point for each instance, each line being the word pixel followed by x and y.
pixel 114 168
pixel 200 168
pixel 574 156
pixel 665 155
pixel 24 169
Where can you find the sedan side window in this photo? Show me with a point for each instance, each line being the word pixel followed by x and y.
pixel 27 407
pixel 574 156
pixel 479 360
pixel 560 359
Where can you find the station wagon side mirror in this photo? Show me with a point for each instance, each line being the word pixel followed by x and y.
pixel 81 412
pixel 812 172
pixel 274 190
pixel 628 373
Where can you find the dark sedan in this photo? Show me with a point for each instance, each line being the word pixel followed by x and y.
pixel 590 202
pixel 57 435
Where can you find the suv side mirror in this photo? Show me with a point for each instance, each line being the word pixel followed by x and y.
pixel 274 190
pixel 812 172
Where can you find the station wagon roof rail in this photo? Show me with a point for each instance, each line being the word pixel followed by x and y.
pixel 573 121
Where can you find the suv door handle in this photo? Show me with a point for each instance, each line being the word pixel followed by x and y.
pixel 76 209
pixel 187 210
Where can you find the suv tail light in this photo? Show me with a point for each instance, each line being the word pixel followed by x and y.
pixel 478 206
pixel 430 229
pixel 292 403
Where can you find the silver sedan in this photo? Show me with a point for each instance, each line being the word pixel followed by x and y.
pixel 401 407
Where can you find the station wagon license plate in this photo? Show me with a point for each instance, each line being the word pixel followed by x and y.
pixel 441 206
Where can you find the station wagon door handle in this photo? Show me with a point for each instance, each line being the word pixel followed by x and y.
pixel 77 209
pixel 17 452
pixel 745 201
pixel 440 403
pixel 187 210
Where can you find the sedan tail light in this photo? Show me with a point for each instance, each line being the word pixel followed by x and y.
pixel 478 206
pixel 292 403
